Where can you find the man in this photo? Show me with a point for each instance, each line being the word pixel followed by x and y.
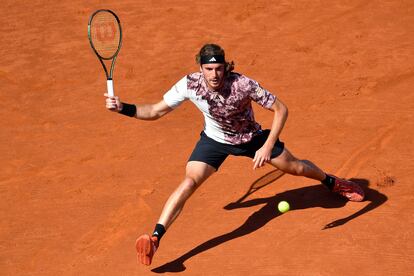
pixel 224 98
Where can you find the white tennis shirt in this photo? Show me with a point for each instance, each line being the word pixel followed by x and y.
pixel 228 113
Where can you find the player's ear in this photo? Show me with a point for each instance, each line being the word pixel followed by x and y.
pixel 201 69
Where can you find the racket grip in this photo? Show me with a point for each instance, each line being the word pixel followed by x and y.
pixel 110 87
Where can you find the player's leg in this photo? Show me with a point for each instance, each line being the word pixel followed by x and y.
pixel 291 165
pixel 196 173
pixel 206 158
pixel 288 163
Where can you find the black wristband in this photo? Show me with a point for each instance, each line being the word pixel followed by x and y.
pixel 159 231
pixel 128 110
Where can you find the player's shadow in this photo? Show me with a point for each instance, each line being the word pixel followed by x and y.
pixel 301 198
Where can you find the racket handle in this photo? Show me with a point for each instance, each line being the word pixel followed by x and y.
pixel 110 87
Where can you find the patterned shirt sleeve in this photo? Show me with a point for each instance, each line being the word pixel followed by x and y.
pixel 261 95
pixel 177 94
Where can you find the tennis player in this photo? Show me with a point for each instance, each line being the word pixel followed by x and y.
pixel 224 97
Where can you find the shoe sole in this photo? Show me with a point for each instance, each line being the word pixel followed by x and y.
pixel 143 247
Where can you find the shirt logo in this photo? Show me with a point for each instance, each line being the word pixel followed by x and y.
pixel 212 59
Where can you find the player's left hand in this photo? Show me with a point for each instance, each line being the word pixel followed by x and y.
pixel 262 155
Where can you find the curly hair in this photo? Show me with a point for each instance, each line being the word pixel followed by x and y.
pixel 211 50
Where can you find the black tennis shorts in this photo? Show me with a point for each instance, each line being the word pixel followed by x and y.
pixel 214 153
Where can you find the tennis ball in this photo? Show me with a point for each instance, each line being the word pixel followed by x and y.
pixel 283 206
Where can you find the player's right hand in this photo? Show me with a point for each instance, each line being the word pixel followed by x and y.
pixel 113 103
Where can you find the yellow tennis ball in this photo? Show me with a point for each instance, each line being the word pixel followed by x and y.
pixel 283 206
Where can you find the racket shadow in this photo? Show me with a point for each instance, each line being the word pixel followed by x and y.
pixel 260 183
pixel 301 198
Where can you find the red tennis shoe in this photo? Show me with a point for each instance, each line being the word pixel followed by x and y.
pixel 351 190
pixel 146 247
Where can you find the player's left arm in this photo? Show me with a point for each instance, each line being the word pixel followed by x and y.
pixel 263 155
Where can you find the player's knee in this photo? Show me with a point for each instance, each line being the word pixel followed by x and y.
pixel 298 168
pixel 189 184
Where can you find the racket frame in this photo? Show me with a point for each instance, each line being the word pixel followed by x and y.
pixel 109 75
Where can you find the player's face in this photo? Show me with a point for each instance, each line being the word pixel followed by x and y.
pixel 214 75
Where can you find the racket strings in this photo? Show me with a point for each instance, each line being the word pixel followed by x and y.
pixel 105 34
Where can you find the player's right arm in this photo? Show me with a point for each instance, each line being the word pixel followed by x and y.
pixel 152 111
pixel 143 111
pixel 171 100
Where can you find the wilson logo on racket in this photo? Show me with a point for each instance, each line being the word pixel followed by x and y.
pixel 105 31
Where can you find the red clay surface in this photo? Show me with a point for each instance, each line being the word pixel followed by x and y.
pixel 78 184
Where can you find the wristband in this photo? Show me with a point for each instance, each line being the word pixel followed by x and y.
pixel 128 110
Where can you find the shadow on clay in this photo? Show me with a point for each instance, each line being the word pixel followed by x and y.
pixel 301 198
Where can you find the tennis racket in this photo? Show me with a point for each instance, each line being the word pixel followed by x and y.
pixel 105 37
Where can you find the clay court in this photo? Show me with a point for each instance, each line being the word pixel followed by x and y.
pixel 79 184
